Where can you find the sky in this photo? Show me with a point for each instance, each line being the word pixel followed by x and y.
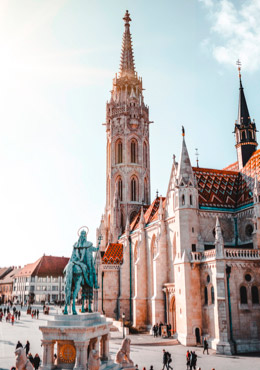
pixel 57 62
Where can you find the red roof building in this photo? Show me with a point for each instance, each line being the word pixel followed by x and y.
pixel 41 281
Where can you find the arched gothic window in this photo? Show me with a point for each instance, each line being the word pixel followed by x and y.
pixel 133 151
pixel 212 295
pixel 132 216
pixel 120 189
pixel 119 152
pixel 243 295
pixel 133 189
pixel 145 154
pixel 255 295
pixel 183 200
pixel 145 191
pixel 243 135
pixel 206 295
pixel 191 200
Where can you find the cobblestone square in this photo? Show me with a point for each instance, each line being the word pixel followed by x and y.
pixel 145 350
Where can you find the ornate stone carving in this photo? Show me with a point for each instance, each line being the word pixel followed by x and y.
pixel 123 355
pixel 93 360
pixel 22 362
pixel 67 353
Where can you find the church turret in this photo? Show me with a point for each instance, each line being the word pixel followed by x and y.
pixel 185 181
pixel 128 153
pixel 245 129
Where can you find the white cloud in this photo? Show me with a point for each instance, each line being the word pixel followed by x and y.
pixel 235 32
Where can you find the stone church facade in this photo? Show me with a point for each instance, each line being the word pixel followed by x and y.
pixel 192 257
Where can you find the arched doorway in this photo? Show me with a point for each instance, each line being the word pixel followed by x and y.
pixel 172 315
pixel 197 334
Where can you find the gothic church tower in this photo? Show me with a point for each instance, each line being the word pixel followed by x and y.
pixel 128 153
pixel 245 130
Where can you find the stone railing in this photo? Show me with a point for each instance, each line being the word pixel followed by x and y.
pixel 249 254
pixel 197 257
pixel 234 253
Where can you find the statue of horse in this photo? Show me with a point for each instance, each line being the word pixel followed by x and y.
pixel 80 272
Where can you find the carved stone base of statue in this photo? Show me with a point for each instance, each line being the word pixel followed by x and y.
pixel 123 355
pixel 80 342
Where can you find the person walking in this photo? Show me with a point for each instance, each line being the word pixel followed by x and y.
pixel 188 360
pixel 165 360
pixel 193 360
pixel 169 330
pixel 19 314
pixel 205 346
pixel 30 358
pixel 18 345
pixel 12 319
pixel 36 361
pixel 27 347
pixel 169 360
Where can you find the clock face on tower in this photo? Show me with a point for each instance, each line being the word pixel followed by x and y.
pixel 67 353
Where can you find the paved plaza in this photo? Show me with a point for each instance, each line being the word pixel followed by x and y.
pixel 145 351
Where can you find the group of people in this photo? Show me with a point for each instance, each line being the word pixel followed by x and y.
pixel 35 313
pixel 162 330
pixel 191 360
pixel 35 361
pixel 10 317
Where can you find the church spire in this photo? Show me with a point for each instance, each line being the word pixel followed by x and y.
pixel 127 65
pixel 184 171
pixel 245 129
pixel 243 113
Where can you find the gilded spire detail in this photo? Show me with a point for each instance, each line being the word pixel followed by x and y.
pixel 127 65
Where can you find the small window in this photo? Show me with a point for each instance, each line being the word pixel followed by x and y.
pixel 249 230
pixel 191 200
pixel 192 229
pixel 208 279
pixel 206 295
pixel 248 277
pixel 120 189
pixel 255 295
pixel 193 247
pixel 133 190
pixel 212 295
pixel 133 151
pixel 183 200
pixel 145 154
pixel 119 152
pixel 243 295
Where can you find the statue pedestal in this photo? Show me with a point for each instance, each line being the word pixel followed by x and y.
pixel 75 336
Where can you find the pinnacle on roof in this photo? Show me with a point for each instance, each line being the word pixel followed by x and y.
pixel 184 168
pixel 243 113
pixel 127 65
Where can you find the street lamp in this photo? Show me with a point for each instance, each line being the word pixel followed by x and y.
pixel 123 317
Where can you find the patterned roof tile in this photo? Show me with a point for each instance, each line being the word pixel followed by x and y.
pixel 113 254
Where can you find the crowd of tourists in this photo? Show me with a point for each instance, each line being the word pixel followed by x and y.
pixel 162 330
pixel 10 314
pixel 35 360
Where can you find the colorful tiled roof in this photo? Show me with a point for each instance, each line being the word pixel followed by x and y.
pixel 222 188
pixel 232 167
pixel 45 266
pixel 252 169
pixel 113 254
pixel 150 213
